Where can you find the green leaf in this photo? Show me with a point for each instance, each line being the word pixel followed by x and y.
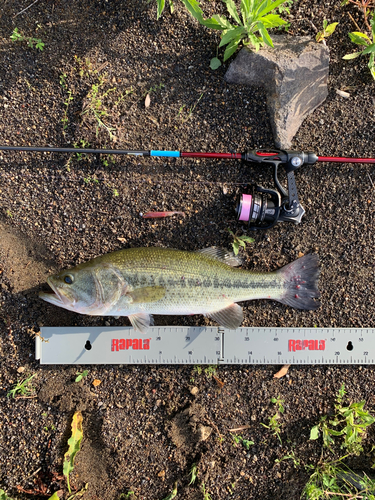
pixel 352 56
pixel 247 238
pixel 272 21
pixel 215 63
pixel 231 7
pixel 236 247
pixel 264 33
pixel 231 48
pixel 369 49
pixel 217 22
pixel 161 4
pixel 194 8
pixel 173 494
pixel 244 7
pixel 255 41
pixel 81 375
pixel 55 496
pixel 74 443
pixel 230 35
pixel 314 433
pixel 330 29
pixel 359 38
pixel 269 8
pixel 39 45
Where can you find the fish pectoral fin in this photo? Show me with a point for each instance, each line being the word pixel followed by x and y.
pixel 230 317
pixel 141 321
pixel 222 255
pixel 146 294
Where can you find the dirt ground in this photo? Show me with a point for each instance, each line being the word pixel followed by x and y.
pixel 145 426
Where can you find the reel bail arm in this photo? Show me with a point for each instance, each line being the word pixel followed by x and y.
pixel 267 207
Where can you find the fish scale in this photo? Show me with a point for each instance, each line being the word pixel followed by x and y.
pixel 140 282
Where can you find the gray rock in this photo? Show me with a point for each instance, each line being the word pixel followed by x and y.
pixel 294 75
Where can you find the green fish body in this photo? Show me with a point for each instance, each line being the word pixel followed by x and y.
pixel 139 282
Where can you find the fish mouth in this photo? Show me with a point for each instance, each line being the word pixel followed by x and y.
pixel 52 296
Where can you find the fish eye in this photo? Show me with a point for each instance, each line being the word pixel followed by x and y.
pixel 68 279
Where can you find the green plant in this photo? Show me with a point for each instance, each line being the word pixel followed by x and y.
pixel 115 192
pixel 327 31
pixel 4 496
pixel 290 456
pixel 23 388
pixel 74 444
pixel 362 39
pixel 351 422
pixel 273 422
pixel 9 213
pixel 82 144
pixel 173 493
pixel 245 442
pixel 81 375
pixel 206 495
pixel 161 5
pixel 127 495
pixel 187 111
pixel 198 369
pixel 335 481
pixel 96 108
pixel 257 17
pixel 16 36
pixel 193 473
pixel 155 88
pixel 65 119
pixel 239 241
pixel 210 371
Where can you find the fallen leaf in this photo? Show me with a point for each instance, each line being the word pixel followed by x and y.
pixel 96 382
pixel 147 101
pixel 283 371
pixel 74 443
pixel 300 254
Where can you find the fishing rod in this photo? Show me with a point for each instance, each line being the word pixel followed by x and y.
pixel 259 208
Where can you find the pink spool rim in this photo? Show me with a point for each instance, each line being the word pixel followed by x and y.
pixel 245 207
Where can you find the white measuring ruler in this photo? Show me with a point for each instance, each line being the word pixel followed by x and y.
pixel 182 345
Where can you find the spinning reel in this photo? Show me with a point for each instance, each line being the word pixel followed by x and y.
pixel 262 208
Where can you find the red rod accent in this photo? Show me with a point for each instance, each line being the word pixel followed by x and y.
pixel 337 159
pixel 233 156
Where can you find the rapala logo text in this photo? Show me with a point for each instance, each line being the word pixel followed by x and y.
pixel 125 344
pixel 310 345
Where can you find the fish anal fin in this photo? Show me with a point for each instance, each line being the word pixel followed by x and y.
pixel 230 317
pixel 146 294
pixel 222 255
pixel 141 321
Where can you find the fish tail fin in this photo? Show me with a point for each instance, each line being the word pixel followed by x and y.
pixel 300 283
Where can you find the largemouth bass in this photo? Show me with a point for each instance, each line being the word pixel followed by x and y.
pixel 139 282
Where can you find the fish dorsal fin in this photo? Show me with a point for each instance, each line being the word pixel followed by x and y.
pixel 222 255
pixel 230 317
pixel 146 294
pixel 141 321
